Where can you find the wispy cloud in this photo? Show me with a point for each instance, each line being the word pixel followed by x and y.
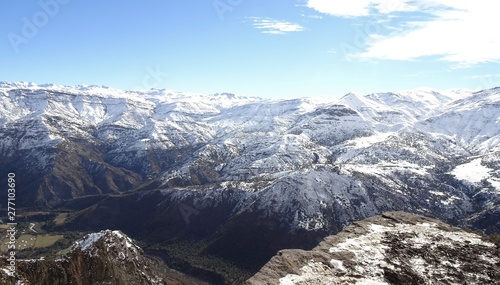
pixel 485 81
pixel 272 26
pixel 317 17
pixel 457 31
pixel 482 76
pixel 357 8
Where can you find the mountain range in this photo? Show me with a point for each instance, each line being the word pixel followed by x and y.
pixel 241 176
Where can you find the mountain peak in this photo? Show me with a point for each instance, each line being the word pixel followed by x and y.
pixel 109 239
pixel 20 84
pixel 107 255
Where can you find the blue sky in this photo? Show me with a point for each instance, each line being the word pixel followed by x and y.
pixel 273 49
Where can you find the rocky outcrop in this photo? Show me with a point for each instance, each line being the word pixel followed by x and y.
pixel 107 257
pixel 393 248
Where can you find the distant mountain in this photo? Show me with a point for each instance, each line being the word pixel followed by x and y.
pixel 249 176
pixel 394 248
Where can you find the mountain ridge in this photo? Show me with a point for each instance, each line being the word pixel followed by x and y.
pixel 168 166
pixel 134 127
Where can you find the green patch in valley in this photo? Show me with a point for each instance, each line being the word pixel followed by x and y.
pixel 28 241
pixel 61 218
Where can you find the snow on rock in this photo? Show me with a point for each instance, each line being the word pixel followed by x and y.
pixel 475 172
pixel 395 248
pixel 472 171
pixel 106 255
pixel 112 240
pixel 87 241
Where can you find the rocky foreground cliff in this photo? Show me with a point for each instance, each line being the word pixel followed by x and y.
pixel 393 248
pixel 106 257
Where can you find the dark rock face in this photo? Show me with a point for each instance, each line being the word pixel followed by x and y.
pixel 228 235
pixel 393 248
pixel 107 257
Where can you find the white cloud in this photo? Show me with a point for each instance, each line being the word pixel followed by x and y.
pixel 482 76
pixel 312 16
pixel 272 26
pixel 458 31
pixel 357 8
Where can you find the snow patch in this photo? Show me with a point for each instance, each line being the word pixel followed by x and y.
pixel 472 171
pixel 88 241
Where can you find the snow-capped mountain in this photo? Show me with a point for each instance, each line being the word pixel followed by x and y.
pixel 225 167
pixel 394 248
